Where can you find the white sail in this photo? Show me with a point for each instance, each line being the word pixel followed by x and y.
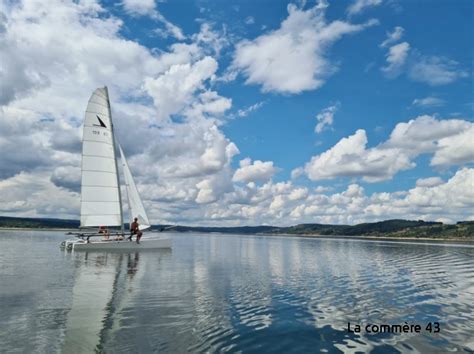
pixel 135 204
pixel 100 192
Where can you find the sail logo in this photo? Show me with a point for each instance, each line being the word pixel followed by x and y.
pixel 101 123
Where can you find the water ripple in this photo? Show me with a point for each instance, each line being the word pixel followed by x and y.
pixel 218 293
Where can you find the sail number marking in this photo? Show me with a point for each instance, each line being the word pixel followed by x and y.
pixel 97 132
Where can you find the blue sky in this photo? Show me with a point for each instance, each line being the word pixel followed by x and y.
pixel 247 112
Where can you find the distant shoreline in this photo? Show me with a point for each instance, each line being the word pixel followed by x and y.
pixel 34 229
pixel 339 237
pixel 376 238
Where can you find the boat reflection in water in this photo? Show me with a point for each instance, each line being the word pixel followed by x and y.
pixel 106 285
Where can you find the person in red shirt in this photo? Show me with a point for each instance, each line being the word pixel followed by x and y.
pixel 135 230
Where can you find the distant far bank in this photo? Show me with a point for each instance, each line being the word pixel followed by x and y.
pixel 393 229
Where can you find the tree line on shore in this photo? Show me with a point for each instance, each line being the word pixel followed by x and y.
pixel 387 228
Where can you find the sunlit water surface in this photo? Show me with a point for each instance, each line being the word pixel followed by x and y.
pixel 216 293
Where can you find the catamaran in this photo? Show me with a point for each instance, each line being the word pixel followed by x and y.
pixel 101 199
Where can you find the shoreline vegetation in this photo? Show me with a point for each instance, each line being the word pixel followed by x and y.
pixel 396 229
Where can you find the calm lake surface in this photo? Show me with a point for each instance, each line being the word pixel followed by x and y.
pixel 216 293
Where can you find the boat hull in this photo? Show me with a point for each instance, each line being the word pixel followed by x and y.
pixel 122 245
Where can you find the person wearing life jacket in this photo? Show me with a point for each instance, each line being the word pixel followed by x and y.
pixel 135 230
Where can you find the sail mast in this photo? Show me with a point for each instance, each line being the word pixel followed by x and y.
pixel 115 158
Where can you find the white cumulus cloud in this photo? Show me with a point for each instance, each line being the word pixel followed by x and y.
pixel 424 133
pixel 325 118
pixel 432 70
pixel 429 182
pixel 359 6
pixel 148 8
pixel 455 150
pixel 244 112
pixel 297 172
pixel 429 101
pixel 253 172
pixel 139 7
pixel 172 90
pixel 436 71
pixel 393 36
pixel 350 158
pixel 450 141
pixel 293 58
pixel 396 58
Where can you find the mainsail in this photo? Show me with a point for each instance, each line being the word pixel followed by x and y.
pixel 100 187
pixel 135 204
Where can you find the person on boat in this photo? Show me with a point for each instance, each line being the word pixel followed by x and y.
pixel 105 231
pixel 135 230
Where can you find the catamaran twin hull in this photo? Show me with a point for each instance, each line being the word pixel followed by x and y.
pixel 82 245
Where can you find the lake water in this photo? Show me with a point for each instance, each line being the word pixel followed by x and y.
pixel 217 293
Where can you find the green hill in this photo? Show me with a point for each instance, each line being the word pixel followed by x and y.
pixel 388 228
pixel 37 223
